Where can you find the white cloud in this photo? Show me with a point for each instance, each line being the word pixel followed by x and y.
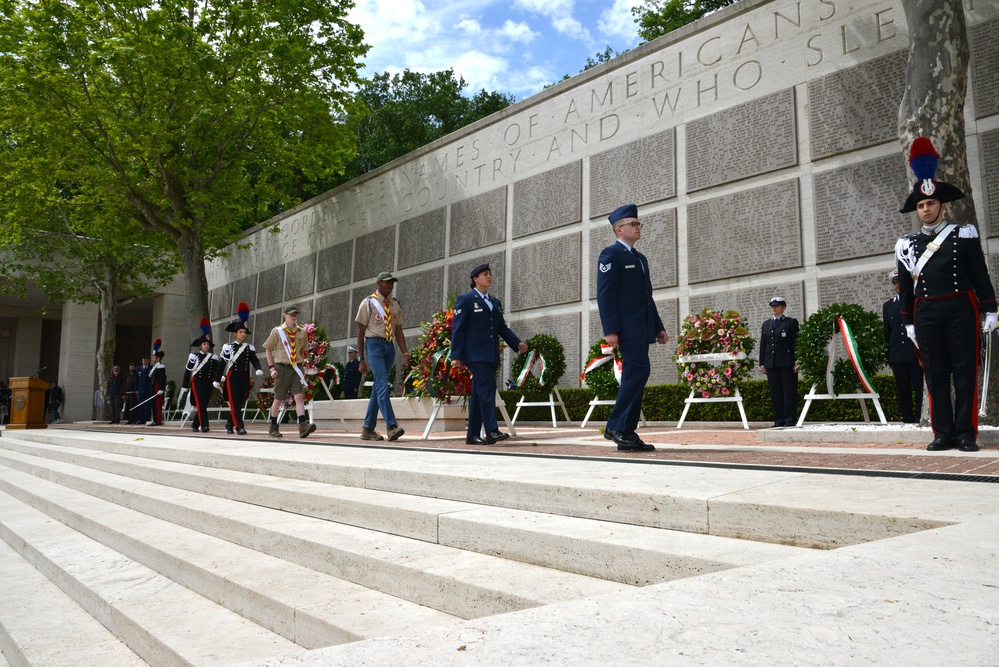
pixel 517 32
pixel 560 12
pixel 481 70
pixel 618 22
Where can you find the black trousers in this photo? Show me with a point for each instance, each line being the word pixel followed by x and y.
pixel 783 382
pixel 949 338
pixel 201 394
pixel 237 388
pixel 909 387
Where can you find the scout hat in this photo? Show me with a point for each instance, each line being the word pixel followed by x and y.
pixel 387 276
pixel 923 159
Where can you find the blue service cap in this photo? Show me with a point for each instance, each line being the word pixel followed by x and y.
pixel 626 211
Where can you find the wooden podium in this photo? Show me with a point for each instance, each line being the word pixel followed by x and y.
pixel 27 405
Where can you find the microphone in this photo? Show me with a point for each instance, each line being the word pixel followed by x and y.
pixel 43 368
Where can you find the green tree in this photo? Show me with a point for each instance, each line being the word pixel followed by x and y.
pixel 407 110
pixel 186 115
pixel 656 18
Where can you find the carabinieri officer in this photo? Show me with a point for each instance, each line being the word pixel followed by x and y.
pixel 234 373
pixel 478 325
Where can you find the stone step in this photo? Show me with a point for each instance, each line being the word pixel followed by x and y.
pixel 454 581
pixel 41 625
pixel 163 622
pixel 634 555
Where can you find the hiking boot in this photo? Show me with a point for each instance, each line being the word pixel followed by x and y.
pixel 305 428
pixel 370 434
pixel 394 432
pixel 275 432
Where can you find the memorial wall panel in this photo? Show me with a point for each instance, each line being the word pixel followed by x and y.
pixel 478 221
pixel 333 312
pixel 638 172
pixel 984 72
pixel 746 140
pixel 421 239
pixel 459 282
pixel 565 328
pixel 744 233
pixel 270 286
pixel 421 295
pixel 658 244
pixel 245 289
pixel 546 273
pixel 300 278
pixel 661 356
pixel 856 208
pixel 373 253
pixel 989 143
pixel 221 303
pixel 334 266
pixel 856 107
pixel 261 323
pixel 753 303
pixel 548 200
pixel 869 289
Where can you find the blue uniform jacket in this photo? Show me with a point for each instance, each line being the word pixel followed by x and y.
pixel 624 294
pixel 777 342
pixel 476 330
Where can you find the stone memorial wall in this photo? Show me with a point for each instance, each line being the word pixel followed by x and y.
pixel 759 143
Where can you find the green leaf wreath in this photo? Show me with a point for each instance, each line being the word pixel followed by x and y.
pixel 553 352
pixel 714 332
pixel 601 380
pixel 813 340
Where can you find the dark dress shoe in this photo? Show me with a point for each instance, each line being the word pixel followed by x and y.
pixel 967 446
pixel 228 429
pixel 623 440
pixel 195 430
pixel 642 445
pixel 241 431
pixel 496 436
pixel 204 429
pixel 939 444
pixel 475 441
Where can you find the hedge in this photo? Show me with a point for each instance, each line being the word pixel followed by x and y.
pixel 664 402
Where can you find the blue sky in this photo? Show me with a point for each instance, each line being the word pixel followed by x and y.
pixel 510 46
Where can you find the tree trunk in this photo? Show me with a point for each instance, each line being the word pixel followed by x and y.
pixel 936 85
pixel 192 259
pixel 106 344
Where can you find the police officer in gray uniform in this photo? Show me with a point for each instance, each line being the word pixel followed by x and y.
pixel 779 364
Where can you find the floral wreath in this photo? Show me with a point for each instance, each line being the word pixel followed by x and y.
pixel 712 352
pixel 546 355
pixel 433 375
pixel 602 372
pixel 812 347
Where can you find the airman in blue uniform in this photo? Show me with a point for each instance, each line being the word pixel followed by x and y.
pixel 475 332
pixel 630 322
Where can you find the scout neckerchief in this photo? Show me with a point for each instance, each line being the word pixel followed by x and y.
pixel 385 310
pixel 289 348
pixel 233 358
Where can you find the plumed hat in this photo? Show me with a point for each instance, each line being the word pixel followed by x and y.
pixel 243 312
pixel 157 352
pixel 923 159
pixel 626 211
pixel 206 334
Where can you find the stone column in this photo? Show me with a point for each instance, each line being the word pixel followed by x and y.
pixel 28 347
pixel 170 326
pixel 78 360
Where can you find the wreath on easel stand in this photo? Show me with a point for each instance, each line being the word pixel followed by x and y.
pixel 545 355
pixel 865 345
pixel 602 373
pixel 712 352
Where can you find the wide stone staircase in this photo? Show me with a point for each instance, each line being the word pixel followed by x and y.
pixel 119 549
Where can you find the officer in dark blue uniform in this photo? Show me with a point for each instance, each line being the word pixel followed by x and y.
pixel 902 358
pixel 200 372
pixel 944 287
pixel 477 327
pixel 234 373
pixel 630 322
pixel 778 363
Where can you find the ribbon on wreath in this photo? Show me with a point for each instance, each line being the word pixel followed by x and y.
pixel 609 353
pixel 533 357
pixel 852 353
pixel 442 356
pixel 336 374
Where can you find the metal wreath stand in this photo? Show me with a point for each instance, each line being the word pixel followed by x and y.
pixel 736 398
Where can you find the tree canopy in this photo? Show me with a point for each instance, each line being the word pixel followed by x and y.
pixel 656 18
pixel 186 116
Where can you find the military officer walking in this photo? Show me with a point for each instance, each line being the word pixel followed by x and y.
pixel 944 287
pixel 199 375
pixel 234 373
pixel 157 385
pixel 902 358
pixel 478 325
pixel 778 362
pixel 630 322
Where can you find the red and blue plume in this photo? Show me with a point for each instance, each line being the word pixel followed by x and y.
pixel 157 345
pixel 923 159
pixel 206 326
pixel 243 311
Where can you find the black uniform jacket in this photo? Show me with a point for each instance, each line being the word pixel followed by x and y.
pixel 777 342
pixel 900 347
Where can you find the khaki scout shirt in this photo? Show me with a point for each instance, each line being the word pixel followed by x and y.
pixel 368 315
pixel 274 344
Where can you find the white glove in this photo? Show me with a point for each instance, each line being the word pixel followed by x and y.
pixel 260 372
pixel 216 385
pixel 159 393
pixel 222 379
pixel 990 323
pixel 910 331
